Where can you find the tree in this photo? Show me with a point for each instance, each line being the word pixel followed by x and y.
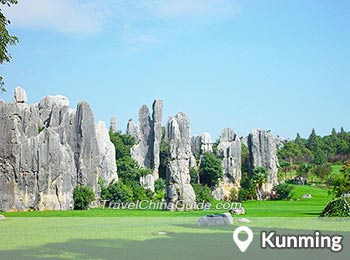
pixel 5 39
pixel 82 196
pixel 210 170
pixel 341 182
pixel 259 178
pixel 282 191
pixel 247 190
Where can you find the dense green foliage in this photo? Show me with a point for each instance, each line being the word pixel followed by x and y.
pixel 247 190
pixel 117 192
pixel 340 183
pixel 339 207
pixel 5 38
pixel 128 188
pixel 318 150
pixel 282 191
pixel 203 193
pixel 194 174
pixel 82 196
pixel 210 170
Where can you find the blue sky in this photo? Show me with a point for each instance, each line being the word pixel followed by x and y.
pixel 273 64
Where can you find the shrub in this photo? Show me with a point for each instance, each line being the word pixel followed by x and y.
pixel 194 174
pixel 234 195
pixel 118 192
pixel 159 185
pixel 322 171
pixel 282 191
pixel 210 170
pixel 203 193
pixel 82 196
pixel 247 190
pixel 339 207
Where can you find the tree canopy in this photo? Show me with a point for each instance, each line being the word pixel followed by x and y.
pixel 6 39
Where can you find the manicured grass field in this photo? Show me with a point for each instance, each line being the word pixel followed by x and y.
pixel 127 234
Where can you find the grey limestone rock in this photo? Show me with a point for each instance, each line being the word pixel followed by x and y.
pixel 148 136
pixel 201 144
pixel 20 95
pixel 229 150
pixel 216 220
pixel 113 125
pixel 106 153
pixel 46 149
pixel 262 153
pixel 178 187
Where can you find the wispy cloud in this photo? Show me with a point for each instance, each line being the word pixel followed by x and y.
pixel 65 16
pixel 139 23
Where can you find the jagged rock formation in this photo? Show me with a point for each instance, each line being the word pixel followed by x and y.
pixel 201 144
pixel 148 136
pixel 178 187
pixel 262 153
pixel 113 125
pixel 229 150
pixel 133 130
pixel 46 149
pixel 20 95
pixel 107 153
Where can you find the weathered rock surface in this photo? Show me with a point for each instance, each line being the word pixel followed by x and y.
pixel 106 153
pixel 113 125
pixel 229 150
pixel 216 220
pixel 20 95
pixel 148 136
pixel 262 153
pixel 133 130
pixel 201 144
pixel 178 187
pixel 46 149
pixel 157 117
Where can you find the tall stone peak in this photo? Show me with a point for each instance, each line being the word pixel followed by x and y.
pixel 113 125
pixel 148 136
pixel 229 150
pixel 201 144
pixel 46 150
pixel 178 187
pixel 263 153
pixel 20 95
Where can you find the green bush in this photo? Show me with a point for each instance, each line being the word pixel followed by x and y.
pixel 322 171
pixel 210 170
pixel 159 185
pixel 118 192
pixel 203 193
pixel 339 207
pixel 282 191
pixel 82 196
pixel 234 195
pixel 247 190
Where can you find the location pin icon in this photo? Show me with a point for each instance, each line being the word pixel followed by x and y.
pixel 243 245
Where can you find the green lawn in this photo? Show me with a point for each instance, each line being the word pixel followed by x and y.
pixel 127 234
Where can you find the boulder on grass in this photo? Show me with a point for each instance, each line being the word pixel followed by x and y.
pixel 2 217
pixel 238 211
pixel 307 196
pixel 216 220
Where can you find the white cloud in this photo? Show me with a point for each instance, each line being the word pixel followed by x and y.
pixel 65 16
pixel 84 17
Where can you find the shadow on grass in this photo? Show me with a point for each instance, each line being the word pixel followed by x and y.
pixel 170 246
